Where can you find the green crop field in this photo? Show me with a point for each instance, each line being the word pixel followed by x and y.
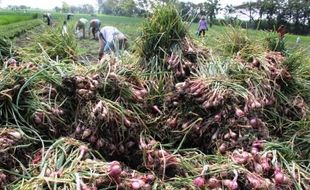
pixel 131 26
pixel 9 19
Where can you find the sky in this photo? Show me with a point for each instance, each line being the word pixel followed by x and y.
pixel 49 4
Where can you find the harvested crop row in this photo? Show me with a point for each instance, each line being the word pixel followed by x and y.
pixel 137 122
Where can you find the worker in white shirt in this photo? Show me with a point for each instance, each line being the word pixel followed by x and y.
pixel 111 40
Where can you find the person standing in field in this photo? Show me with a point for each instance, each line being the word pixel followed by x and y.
pixel 281 31
pixel 81 25
pixel 69 15
pixel 94 25
pixel 64 29
pixel 202 26
pixel 111 40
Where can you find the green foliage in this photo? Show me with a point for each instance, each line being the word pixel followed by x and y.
pixel 15 29
pixel 235 40
pixel 298 64
pixel 8 19
pixel 274 43
pixel 56 45
pixel 5 49
pixel 161 31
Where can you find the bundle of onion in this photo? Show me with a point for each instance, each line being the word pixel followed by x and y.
pixel 257 182
pixel 124 88
pixel 271 65
pixel 10 145
pixel 204 93
pixel 160 161
pixel 99 111
pixel 51 120
pixel 68 156
pixel 18 66
pixel 139 93
pixel 135 180
pixel 180 65
pixel 86 87
pixel 10 86
pixel 9 138
pixel 83 87
pixel 108 139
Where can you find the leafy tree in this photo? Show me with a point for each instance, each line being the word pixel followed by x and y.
pixel 247 8
pixel 65 7
pixel 127 7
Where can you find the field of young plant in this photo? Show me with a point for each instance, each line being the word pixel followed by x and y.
pixel 14 24
pixel 228 111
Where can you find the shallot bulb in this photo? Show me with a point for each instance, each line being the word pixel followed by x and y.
pixel 172 122
pixel 256 181
pixel 115 169
pixel 230 184
pixel 254 150
pixel 15 134
pixel 137 184
pixel 265 163
pixel 213 183
pixel 241 158
pixel 217 118
pixel 86 133
pixel 256 122
pixel 39 118
pixel 239 112
pixel 223 148
pixel 278 176
pixel 258 168
pixel 199 182
pixel 83 150
pixel 258 144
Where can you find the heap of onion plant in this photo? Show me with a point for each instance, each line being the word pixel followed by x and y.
pixel 70 164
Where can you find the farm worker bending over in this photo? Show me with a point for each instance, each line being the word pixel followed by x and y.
pixel 81 24
pixel 94 25
pixel 203 26
pixel 111 39
pixel 48 18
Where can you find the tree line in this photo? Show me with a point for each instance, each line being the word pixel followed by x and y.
pixel 266 14
pixel 85 8
pixel 261 14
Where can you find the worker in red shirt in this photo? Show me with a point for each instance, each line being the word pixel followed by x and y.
pixel 281 31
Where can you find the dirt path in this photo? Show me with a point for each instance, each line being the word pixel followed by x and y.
pixel 88 50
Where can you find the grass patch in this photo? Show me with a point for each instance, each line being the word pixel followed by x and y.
pixel 15 29
pixel 9 19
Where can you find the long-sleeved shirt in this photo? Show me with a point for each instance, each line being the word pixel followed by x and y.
pixel 203 25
